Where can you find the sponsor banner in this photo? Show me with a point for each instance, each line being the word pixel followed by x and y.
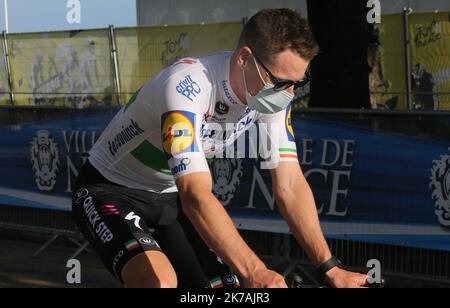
pixel 430 63
pixel 382 179
pixel 377 178
pixel 388 79
pixel 430 45
pixel 72 69
pixel 42 156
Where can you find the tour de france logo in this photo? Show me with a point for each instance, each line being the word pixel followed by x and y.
pixel 440 185
pixel 175 49
pixel 227 175
pixel 45 159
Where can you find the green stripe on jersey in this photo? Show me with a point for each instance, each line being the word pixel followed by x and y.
pixel 132 100
pixel 152 157
pixel 288 150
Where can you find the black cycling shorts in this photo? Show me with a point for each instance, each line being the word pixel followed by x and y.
pixel 121 223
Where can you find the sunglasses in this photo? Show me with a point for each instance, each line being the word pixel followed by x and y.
pixel 282 84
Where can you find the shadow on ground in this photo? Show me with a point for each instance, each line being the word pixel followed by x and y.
pixel 18 269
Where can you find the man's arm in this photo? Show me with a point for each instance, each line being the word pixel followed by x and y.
pixel 218 231
pixel 296 203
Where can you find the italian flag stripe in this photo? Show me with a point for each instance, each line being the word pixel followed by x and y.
pixel 216 283
pixel 294 156
pixel 133 244
pixel 238 283
pixel 288 150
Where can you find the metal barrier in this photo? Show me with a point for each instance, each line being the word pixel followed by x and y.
pixel 54 223
pixel 68 124
pixel 425 267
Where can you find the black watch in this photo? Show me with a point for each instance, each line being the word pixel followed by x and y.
pixel 328 266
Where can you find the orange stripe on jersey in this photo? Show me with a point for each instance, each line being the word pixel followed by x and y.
pixel 288 156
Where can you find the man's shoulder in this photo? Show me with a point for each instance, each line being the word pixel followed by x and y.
pixel 185 73
pixel 183 67
pixel 201 67
pixel 189 80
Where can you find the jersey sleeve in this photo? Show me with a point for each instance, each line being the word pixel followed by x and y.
pixel 277 138
pixel 185 98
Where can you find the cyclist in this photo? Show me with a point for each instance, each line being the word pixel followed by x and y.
pixel 144 200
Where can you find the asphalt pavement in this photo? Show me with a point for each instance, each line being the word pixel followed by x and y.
pixel 19 269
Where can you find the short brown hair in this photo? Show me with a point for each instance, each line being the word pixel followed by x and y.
pixel 273 31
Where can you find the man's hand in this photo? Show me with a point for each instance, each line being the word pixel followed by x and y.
pixel 265 278
pixel 339 278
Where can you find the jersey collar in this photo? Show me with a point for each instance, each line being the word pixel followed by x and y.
pixel 225 86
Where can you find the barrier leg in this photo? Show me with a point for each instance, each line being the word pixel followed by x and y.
pixel 80 250
pixel 46 245
pixel 78 244
pixel 290 268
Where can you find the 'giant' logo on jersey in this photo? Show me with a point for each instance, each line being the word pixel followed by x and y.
pixel 178 132
pixel 289 128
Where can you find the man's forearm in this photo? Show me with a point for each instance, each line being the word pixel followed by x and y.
pixel 297 205
pixel 218 231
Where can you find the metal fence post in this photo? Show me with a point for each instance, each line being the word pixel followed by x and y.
pixel 8 66
pixel 406 12
pixel 115 61
pixel 244 21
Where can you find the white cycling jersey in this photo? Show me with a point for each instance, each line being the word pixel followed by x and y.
pixel 174 122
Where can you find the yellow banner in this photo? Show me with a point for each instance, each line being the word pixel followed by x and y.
pixel 62 68
pixel 144 52
pixel 75 69
pixel 388 78
pixel 430 35
pixel 4 87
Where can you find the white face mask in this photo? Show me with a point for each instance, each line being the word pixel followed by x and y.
pixel 268 100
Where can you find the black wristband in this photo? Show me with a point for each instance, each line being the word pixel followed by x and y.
pixel 328 266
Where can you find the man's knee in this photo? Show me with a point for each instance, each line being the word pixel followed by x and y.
pixel 149 270
pixel 146 280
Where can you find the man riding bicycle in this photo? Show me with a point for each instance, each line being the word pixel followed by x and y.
pixel 144 200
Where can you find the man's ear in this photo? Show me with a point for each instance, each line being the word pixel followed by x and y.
pixel 244 55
